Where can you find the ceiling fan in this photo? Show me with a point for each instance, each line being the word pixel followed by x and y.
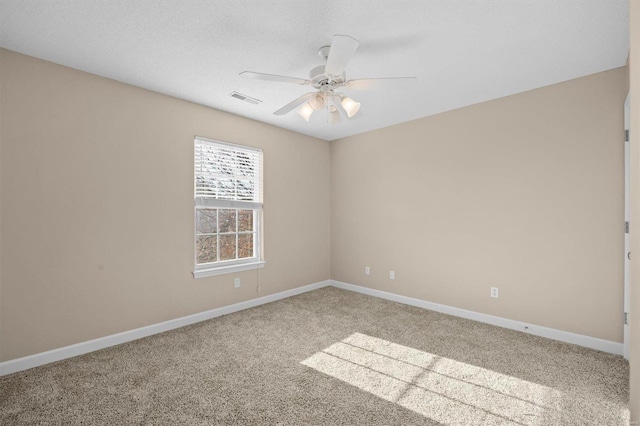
pixel 328 78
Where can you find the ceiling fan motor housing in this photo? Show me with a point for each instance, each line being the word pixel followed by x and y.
pixel 320 81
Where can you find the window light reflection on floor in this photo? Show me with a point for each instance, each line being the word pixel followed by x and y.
pixel 447 391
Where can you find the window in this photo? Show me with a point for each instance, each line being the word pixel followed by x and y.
pixel 228 207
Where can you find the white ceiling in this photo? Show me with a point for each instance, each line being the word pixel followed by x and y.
pixel 462 52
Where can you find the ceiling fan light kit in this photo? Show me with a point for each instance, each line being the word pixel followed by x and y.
pixel 328 78
pixel 350 106
pixel 305 111
pixel 318 102
pixel 334 115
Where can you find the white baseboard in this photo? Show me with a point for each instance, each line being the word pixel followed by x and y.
pixel 563 336
pixel 19 364
pixel 42 358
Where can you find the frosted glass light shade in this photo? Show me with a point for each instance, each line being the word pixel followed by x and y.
pixel 334 115
pixel 318 101
pixel 305 111
pixel 350 106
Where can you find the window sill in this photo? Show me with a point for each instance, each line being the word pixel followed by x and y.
pixel 202 273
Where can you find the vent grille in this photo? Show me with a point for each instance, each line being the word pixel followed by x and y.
pixel 245 98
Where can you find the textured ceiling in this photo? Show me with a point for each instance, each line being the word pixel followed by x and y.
pixel 462 52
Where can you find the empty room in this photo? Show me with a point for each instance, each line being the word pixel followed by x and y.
pixel 318 213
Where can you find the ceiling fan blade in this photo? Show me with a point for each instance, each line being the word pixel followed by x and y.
pixel 274 77
pixel 381 83
pixel 342 50
pixel 294 104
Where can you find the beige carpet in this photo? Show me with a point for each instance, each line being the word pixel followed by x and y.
pixel 327 357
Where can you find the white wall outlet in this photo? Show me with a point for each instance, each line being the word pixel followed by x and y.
pixel 392 275
pixel 236 282
pixel 494 292
pixel 367 270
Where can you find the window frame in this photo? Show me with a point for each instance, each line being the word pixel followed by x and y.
pixel 235 265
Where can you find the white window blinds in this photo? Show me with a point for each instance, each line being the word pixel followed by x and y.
pixel 227 175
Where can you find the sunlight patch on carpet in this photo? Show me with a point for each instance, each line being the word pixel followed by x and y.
pixel 447 391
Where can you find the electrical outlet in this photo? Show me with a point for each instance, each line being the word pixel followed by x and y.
pixel 367 271
pixel 392 275
pixel 236 282
pixel 494 292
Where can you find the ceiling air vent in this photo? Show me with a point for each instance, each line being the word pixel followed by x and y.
pixel 245 98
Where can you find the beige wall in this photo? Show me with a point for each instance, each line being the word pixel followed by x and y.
pixel 634 130
pixel 524 193
pixel 97 207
